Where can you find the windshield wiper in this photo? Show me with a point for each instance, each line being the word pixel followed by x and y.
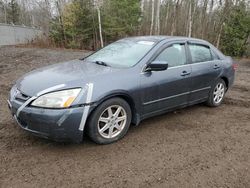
pixel 102 63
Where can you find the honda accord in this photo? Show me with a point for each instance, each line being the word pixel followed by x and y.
pixel 121 84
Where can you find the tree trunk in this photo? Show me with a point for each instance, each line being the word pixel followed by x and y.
pixel 211 8
pixel 141 18
pixel 203 20
pixel 219 36
pixel 157 27
pixel 195 5
pixel 100 26
pixel 142 6
pixel 166 19
pixel 173 28
pixel 152 16
pixel 5 13
pixel 190 20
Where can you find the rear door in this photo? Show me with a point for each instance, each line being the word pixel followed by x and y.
pixel 167 89
pixel 205 70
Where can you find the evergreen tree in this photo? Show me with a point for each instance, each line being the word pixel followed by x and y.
pixel 13 12
pixel 121 18
pixel 236 31
pixel 80 21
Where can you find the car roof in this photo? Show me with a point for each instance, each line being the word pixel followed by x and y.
pixel 158 38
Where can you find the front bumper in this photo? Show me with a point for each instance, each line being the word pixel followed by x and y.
pixel 54 124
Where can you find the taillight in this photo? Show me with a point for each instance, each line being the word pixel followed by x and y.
pixel 235 66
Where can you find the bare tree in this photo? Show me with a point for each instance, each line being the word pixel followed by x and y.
pixel 204 18
pixel 219 36
pixel 152 16
pixel 174 22
pixel 190 20
pixel 97 5
pixel 100 26
pixel 5 12
pixel 167 15
pixel 157 26
pixel 142 5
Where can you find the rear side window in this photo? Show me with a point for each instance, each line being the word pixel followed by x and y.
pixel 214 55
pixel 200 53
pixel 174 55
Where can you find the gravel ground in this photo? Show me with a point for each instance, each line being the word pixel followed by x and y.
pixel 193 147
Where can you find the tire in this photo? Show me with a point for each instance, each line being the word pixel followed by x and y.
pixel 107 124
pixel 212 101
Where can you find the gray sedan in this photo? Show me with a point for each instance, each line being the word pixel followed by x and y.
pixel 121 84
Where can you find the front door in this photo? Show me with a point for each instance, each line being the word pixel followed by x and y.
pixel 162 90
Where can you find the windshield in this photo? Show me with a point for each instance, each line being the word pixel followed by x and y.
pixel 123 53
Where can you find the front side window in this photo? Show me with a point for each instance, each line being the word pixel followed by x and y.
pixel 200 53
pixel 123 53
pixel 174 55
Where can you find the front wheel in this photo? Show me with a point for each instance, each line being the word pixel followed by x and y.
pixel 217 94
pixel 110 121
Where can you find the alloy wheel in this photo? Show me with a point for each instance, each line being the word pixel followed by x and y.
pixel 112 121
pixel 219 92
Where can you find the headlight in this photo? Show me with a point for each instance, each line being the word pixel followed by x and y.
pixel 58 99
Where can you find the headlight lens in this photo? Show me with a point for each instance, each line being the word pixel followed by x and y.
pixel 58 99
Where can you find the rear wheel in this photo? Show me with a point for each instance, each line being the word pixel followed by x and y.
pixel 217 94
pixel 110 121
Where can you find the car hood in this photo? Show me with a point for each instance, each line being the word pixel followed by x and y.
pixel 71 74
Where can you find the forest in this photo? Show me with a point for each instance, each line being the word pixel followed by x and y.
pixel 92 24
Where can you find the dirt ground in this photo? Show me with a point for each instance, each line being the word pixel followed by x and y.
pixel 192 147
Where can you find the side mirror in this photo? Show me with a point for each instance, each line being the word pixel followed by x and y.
pixel 157 66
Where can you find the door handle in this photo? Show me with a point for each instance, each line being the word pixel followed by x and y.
pixel 185 73
pixel 216 66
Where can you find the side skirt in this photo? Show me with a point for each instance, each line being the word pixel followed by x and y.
pixel 163 111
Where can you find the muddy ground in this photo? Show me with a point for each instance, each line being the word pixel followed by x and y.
pixel 193 147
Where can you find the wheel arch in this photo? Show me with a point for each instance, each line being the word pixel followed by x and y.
pixel 225 79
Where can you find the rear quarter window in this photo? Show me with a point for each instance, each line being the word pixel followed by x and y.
pixel 215 56
pixel 200 53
